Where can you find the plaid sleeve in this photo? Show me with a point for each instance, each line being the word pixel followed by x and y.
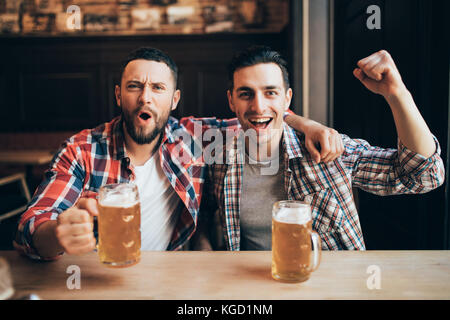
pixel 210 123
pixel 60 189
pixel 392 171
pixel 207 133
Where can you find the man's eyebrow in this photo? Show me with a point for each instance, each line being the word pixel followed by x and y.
pixel 244 88
pixel 133 81
pixel 270 87
pixel 152 83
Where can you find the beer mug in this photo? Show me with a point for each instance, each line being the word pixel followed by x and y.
pixel 293 256
pixel 119 225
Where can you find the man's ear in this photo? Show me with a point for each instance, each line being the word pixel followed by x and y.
pixel 175 99
pixel 117 93
pixel 288 99
pixel 230 101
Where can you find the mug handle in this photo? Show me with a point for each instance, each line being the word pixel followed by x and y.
pixel 317 249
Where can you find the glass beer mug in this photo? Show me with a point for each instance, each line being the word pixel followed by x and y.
pixel 296 249
pixel 119 225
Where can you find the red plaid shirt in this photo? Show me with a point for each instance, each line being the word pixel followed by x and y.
pixel 95 157
pixel 327 187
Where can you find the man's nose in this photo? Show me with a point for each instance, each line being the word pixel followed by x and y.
pixel 258 103
pixel 146 95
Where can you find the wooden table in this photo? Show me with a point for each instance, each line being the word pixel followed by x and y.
pixel 237 275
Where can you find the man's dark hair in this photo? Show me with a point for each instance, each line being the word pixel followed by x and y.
pixel 151 54
pixel 256 55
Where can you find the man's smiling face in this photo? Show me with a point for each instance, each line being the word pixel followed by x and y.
pixel 259 99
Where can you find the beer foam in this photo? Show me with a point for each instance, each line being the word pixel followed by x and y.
pixel 119 200
pixel 291 215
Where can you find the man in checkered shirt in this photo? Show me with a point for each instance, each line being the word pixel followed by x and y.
pixel 267 161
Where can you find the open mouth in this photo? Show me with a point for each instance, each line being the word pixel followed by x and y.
pixel 260 123
pixel 144 115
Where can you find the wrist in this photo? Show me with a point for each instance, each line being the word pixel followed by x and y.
pixel 45 240
pixel 397 95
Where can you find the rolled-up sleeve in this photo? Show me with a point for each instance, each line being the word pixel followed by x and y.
pixel 427 173
pixel 60 189
pixel 392 171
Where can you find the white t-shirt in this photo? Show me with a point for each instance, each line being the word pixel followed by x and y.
pixel 159 203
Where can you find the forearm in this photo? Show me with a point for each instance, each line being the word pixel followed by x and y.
pixel 297 122
pixel 45 240
pixel 412 130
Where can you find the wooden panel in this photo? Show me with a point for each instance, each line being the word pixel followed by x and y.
pixel 3 91
pixel 180 111
pixel 57 100
pixel 10 98
pixel 2 84
pixel 212 92
pixel 113 79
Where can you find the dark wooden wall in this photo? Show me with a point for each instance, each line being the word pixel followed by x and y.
pixel 67 83
pixel 415 32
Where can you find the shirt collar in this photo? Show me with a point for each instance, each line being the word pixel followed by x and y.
pixel 168 131
pixel 118 148
pixel 291 142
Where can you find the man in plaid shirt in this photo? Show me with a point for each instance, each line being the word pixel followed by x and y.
pixel 272 162
pixel 143 145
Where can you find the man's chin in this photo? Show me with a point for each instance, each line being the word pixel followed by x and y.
pixel 147 139
pixel 142 136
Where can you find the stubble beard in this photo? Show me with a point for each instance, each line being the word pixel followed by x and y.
pixel 138 134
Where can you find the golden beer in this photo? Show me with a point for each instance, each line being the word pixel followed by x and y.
pixel 119 225
pixel 292 254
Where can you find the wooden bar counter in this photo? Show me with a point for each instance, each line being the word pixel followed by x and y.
pixel 236 275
